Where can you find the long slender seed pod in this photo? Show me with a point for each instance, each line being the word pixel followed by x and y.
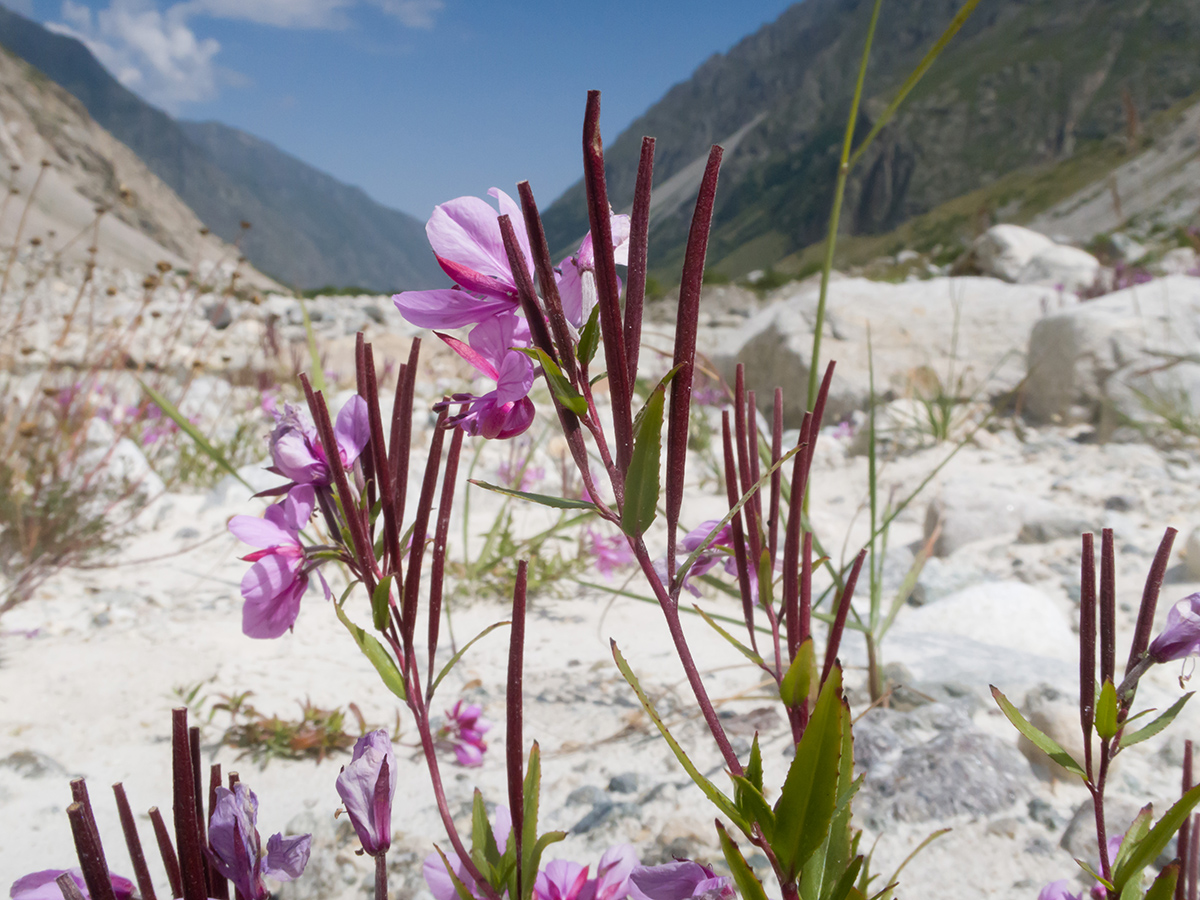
pixel 1108 606
pixel 90 854
pixel 743 461
pixel 70 890
pixel 1087 648
pixel 368 455
pixel 639 243
pixel 833 642
pixel 544 268
pixel 777 475
pixel 806 569
pixel 201 822
pixel 187 836
pixel 687 323
pixel 134 844
pixel 79 793
pixel 1184 841
pixel 217 884
pixel 167 851
pixel 538 330
pixel 363 549
pixel 401 438
pixel 791 546
pixel 1145 620
pixel 755 502
pixel 514 740
pixel 438 568
pixel 416 553
pixel 607 291
pixel 738 536
pixel 381 467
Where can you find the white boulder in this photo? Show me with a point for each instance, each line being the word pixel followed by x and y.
pixel 1003 251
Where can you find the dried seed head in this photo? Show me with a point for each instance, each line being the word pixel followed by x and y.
pixel 257 299
pixel 27 429
pixel 27 349
pixel 111 291
pixel 163 266
pixel 45 163
pixel 35 241
pixel 150 282
pixel 204 231
pixel 14 190
pixel 156 313
pixel 197 365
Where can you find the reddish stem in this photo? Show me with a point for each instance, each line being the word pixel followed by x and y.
pixel 89 852
pixel 187 835
pixel 441 535
pixel 737 535
pixel 833 642
pixel 639 242
pixel 416 552
pixel 134 844
pixel 1145 621
pixel 514 741
pixel 544 268
pixel 167 852
pixel 1087 648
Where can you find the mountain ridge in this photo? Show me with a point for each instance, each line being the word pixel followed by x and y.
pixel 357 241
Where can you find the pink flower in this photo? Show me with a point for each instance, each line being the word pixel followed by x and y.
pixel 1058 890
pixel 721 547
pixel 506 411
pixel 611 553
pixel 463 733
pixel 560 880
pixel 612 875
pixel 1181 637
pixel 277 580
pixel 465 236
pixel 367 787
pixel 41 885
pixel 237 848
pixel 577 281
pixel 679 880
pixel 296 449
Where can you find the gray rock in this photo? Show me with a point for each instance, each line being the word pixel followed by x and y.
pixel 1129 354
pixel 1053 524
pixel 942 577
pixel 1079 838
pixel 625 783
pixel 219 314
pixel 1193 554
pixel 931 764
pixel 32 764
pixel 586 795
pixel 1003 251
pixel 1064 268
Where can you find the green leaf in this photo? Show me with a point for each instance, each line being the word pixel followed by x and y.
pixel 749 887
pixel 543 499
pixel 1136 832
pixel 532 794
pixel 1092 873
pixel 1157 725
pixel 663 384
pixel 1148 849
pixel 1106 711
pixel 839 850
pixel 380 610
pixel 1042 741
pixel 562 389
pixel 754 806
pixel 642 479
pixel 193 432
pixel 742 648
pixel 446 669
pixel 845 884
pixel 766 582
pixel 801 674
pixel 461 889
pixel 809 794
pixel 754 770
pixel 483 840
pixel 723 803
pixel 314 355
pixel 589 338
pixel 376 653
pixel 1164 885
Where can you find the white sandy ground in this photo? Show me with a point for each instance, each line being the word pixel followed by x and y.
pixel 92 689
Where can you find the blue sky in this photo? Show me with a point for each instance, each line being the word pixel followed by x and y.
pixel 415 101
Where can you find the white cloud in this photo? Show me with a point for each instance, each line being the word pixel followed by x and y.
pixel 156 53
pixel 413 13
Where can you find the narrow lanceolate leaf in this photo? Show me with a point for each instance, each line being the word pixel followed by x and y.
pixel 1164 885
pixel 754 768
pixel 754 806
pixel 642 478
pixel 1041 740
pixel 380 608
pixel 192 432
pixel 798 680
pixel 1158 724
pixel 1106 711
pixel 723 803
pixel 809 796
pixel 543 499
pixel 1135 833
pixel 376 653
pixel 589 338
pixel 464 893
pixel 560 387
pixel 1148 849
pixel 749 887
pixel 741 648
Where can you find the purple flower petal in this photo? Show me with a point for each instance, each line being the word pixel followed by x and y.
pixel 466 230
pixel 286 856
pixel 42 886
pixel 259 532
pixel 272 591
pixel 515 377
pixel 448 308
pixel 369 808
pixel 1058 890
pixel 1181 636
pixel 677 880
pixel 352 429
pixel 560 880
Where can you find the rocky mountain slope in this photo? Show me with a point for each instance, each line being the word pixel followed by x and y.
pixel 1025 82
pixel 47 138
pixel 309 229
